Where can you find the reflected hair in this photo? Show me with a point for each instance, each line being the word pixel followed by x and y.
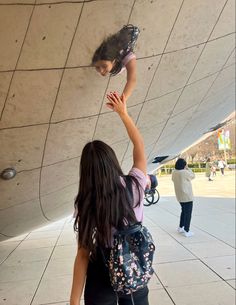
pixel 103 202
pixel 180 164
pixel 117 46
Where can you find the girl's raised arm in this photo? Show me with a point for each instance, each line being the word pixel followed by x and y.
pixel 119 105
pixel 131 78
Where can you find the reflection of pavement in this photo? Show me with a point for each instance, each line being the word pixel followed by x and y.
pixel 37 267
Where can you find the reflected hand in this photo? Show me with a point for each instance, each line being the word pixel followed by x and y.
pixel 117 103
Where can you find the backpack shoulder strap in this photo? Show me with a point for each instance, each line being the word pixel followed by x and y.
pixel 128 182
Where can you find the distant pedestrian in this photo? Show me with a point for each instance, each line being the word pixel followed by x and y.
pixel 222 165
pixel 182 176
pixel 209 169
pixel 213 169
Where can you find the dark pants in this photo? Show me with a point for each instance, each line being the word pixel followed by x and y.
pixel 186 214
pixel 98 290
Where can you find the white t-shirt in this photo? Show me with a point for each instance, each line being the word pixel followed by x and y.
pixel 182 183
pixel 221 164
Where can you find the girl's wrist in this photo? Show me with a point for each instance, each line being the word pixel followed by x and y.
pixel 123 114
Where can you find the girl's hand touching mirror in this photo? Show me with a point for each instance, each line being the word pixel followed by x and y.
pixel 117 103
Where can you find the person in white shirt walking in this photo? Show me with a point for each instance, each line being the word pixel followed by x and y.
pixel 182 177
pixel 222 165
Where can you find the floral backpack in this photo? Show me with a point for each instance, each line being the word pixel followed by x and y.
pixel 131 256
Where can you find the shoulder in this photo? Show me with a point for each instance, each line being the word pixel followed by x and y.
pixel 173 172
pixel 128 58
pixel 139 175
pixel 189 173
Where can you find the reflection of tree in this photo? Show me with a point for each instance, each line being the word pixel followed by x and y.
pixel 192 152
pixel 209 147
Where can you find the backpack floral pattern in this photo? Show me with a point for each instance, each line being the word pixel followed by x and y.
pixel 130 262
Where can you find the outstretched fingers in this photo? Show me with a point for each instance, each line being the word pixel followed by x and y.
pixel 116 103
pixel 110 105
pixel 114 100
pixel 111 102
pixel 113 97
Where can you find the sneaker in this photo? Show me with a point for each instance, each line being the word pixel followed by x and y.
pixel 188 234
pixel 180 230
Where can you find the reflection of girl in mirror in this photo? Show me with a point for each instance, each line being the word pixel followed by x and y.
pixel 115 54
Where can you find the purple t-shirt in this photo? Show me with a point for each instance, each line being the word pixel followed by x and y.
pixel 142 179
pixel 126 60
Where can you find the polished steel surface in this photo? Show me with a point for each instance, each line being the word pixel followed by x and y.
pixel 52 101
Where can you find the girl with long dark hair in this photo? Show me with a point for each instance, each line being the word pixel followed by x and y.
pixel 116 54
pixel 103 206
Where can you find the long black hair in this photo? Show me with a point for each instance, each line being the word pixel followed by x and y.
pixel 117 46
pixel 103 202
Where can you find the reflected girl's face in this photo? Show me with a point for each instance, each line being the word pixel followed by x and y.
pixel 104 66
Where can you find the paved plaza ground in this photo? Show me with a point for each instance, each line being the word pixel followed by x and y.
pixel 36 269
